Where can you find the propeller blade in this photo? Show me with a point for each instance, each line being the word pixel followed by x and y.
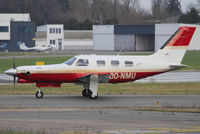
pixel 14 79
pixel 14 76
pixel 14 65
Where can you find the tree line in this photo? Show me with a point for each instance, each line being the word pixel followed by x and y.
pixel 82 14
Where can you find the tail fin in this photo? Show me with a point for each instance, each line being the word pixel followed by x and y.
pixel 22 45
pixel 175 47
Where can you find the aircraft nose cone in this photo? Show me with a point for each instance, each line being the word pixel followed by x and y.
pixel 11 72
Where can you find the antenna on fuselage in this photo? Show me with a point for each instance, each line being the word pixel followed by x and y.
pixel 121 50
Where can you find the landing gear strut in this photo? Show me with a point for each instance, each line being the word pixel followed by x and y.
pixel 39 94
pixel 91 87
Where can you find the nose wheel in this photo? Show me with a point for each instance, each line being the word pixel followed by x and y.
pixel 39 94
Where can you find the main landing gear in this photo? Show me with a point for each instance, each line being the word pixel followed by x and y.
pixel 39 94
pixel 91 87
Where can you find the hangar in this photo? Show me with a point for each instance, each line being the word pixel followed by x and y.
pixel 124 37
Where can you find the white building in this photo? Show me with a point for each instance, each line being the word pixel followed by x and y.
pixel 71 39
pixel 50 35
pixel 78 40
pixel 123 37
pixel 5 20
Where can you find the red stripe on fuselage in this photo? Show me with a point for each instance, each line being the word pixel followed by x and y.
pixel 115 77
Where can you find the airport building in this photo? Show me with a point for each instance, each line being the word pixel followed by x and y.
pixel 123 37
pixel 137 37
pixel 78 40
pixel 16 28
pixel 50 35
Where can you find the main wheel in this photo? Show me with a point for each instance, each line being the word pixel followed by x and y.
pixel 39 95
pixel 86 93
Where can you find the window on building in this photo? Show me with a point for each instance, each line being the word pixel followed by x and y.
pixel 82 62
pixel 3 28
pixel 59 30
pixel 24 29
pixel 128 63
pixel 54 42
pixel 101 63
pixel 51 41
pixel 51 30
pixel 115 63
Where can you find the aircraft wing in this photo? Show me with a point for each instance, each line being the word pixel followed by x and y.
pixel 103 77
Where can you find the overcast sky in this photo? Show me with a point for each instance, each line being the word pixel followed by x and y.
pixel 184 4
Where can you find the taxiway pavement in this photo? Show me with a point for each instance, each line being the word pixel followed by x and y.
pixel 109 113
pixel 71 101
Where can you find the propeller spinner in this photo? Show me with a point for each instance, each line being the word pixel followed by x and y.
pixel 12 72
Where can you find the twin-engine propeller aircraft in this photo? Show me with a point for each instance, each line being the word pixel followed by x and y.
pixel 90 70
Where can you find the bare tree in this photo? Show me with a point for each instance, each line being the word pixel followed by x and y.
pixel 159 9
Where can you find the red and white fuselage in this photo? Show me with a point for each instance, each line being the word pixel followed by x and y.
pixel 138 67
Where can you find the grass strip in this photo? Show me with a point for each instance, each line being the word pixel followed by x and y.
pixel 191 88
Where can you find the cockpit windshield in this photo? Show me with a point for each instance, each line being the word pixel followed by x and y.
pixel 70 61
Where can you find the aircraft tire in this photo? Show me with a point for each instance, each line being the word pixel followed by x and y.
pixel 39 95
pixel 86 94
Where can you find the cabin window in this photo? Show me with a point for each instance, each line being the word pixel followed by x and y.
pixel 101 63
pixel 115 63
pixel 82 62
pixel 128 63
pixel 70 61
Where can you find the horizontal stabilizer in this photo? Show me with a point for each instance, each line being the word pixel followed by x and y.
pixel 178 66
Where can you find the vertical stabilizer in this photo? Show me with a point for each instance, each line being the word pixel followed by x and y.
pixel 175 47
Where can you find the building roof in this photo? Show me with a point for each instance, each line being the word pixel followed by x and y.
pixel 15 17
pixel 134 29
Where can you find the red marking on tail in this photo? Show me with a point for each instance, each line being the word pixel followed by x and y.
pixel 181 37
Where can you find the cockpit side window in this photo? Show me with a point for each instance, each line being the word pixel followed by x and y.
pixel 82 62
pixel 70 61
